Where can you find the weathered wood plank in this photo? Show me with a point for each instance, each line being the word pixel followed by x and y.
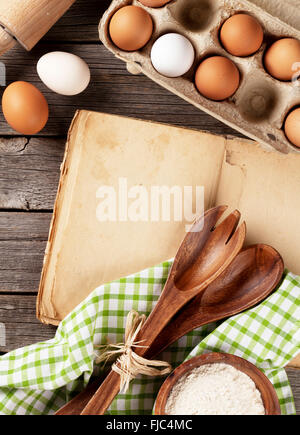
pixel 21 265
pixel 29 172
pixel 112 90
pixel 23 239
pixel 24 226
pixel 17 313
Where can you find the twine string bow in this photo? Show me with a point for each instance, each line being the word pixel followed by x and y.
pixel 129 364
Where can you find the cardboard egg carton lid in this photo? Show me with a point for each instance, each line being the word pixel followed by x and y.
pixel 287 10
pixel 260 105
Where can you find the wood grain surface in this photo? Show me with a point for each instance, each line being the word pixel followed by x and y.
pixel 29 167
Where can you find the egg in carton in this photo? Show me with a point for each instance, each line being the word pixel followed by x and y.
pixel 260 105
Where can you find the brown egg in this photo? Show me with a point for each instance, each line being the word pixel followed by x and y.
pixel 25 108
pixel 217 78
pixel 282 57
pixel 292 127
pixel 131 28
pixel 154 3
pixel 242 35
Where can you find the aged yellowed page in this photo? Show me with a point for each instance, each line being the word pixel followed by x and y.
pixel 264 186
pixel 84 253
pixel 295 363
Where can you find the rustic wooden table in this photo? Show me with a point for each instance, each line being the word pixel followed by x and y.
pixel 29 167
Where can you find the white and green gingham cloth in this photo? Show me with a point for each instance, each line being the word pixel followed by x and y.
pixel 39 379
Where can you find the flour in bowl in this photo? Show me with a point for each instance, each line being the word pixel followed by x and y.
pixel 215 389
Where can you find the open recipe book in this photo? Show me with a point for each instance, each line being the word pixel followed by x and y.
pixel 106 224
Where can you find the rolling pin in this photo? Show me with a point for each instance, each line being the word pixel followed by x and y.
pixel 27 21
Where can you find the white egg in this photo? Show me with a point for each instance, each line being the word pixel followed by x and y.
pixel 172 55
pixel 64 73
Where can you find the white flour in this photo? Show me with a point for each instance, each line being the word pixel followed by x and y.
pixel 215 389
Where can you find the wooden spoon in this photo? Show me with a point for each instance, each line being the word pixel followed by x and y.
pixel 204 254
pixel 249 279
pixel 268 393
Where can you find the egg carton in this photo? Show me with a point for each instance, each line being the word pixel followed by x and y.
pixel 259 107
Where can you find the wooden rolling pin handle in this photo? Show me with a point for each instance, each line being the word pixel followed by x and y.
pixel 6 41
pixel 28 20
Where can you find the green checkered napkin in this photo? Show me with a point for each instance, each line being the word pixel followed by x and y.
pixel 39 379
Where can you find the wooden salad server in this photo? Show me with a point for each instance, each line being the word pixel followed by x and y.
pixel 248 280
pixel 205 253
